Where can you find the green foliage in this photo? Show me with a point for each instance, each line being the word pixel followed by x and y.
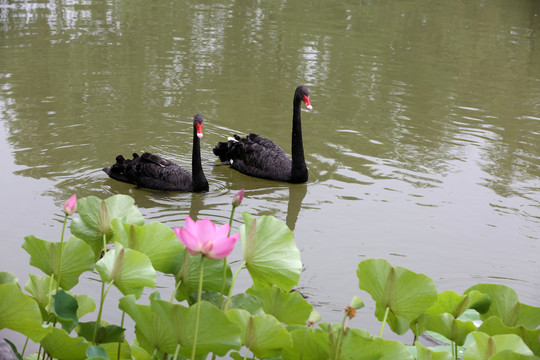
pixel 45 255
pixel 96 216
pixel 103 334
pixel 506 306
pixel 65 308
pixel 498 347
pixel 188 276
pixel 96 352
pixel 58 344
pixel 19 312
pixel 217 333
pixel 289 308
pixel 442 317
pixel 129 270
pixel 267 321
pixel 155 240
pixel 152 333
pixel 308 344
pixel 424 353
pixel 261 334
pixel 270 253
pixel 405 294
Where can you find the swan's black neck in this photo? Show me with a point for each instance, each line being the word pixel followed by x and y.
pixel 199 182
pixel 299 172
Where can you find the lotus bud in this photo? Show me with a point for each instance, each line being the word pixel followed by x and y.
pixel 70 206
pixel 314 318
pixel 237 199
pixel 357 303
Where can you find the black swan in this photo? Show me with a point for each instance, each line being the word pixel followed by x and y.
pixel 261 157
pixel 153 172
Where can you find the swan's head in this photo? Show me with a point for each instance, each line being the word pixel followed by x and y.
pixel 303 93
pixel 197 123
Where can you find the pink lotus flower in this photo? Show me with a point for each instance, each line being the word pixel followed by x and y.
pixel 70 206
pixel 203 236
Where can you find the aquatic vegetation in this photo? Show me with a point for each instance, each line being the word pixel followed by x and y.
pixel 205 317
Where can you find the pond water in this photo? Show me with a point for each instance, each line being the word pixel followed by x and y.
pixel 423 145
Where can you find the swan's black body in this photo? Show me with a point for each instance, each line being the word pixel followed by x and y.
pixel 261 157
pixel 154 172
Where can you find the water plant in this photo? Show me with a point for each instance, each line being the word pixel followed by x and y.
pixel 206 317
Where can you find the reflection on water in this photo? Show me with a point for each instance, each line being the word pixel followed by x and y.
pixel 422 148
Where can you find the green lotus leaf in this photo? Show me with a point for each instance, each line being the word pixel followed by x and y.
pixel 506 306
pixel 212 276
pixel 19 312
pixel 59 345
pixel 358 344
pixel 45 255
pixel 138 352
pixel 65 308
pixel 288 307
pixel 103 334
pixel 40 288
pixel 111 349
pixel 406 294
pixel 451 328
pixel 494 326
pixel 96 216
pixel 8 278
pixel 94 352
pixel 129 270
pixel 455 304
pixel 216 332
pixel 424 353
pixel 86 305
pixel 262 334
pixel 270 253
pixel 155 240
pixel 248 302
pixel 308 344
pixel 505 347
pixel 152 330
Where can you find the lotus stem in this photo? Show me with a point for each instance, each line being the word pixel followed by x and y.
pixel 340 335
pixel 24 347
pixel 121 325
pixel 59 272
pixel 199 295
pixel 102 301
pixel 224 279
pixel 50 298
pixel 232 285
pixel 303 343
pixel 180 280
pixel 176 351
pixel 175 290
pixel 384 321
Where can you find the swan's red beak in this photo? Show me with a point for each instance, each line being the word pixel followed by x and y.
pixel 199 130
pixel 306 101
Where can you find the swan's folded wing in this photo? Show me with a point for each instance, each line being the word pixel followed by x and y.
pixel 155 159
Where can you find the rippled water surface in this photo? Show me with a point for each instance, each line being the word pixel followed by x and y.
pixel 423 146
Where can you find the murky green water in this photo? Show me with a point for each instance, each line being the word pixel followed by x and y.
pixel 423 146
